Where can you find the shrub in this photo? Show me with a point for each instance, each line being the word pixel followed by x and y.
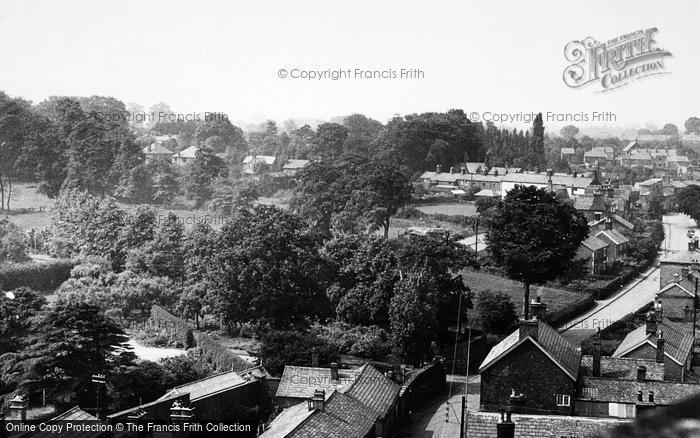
pixel 36 276
pixel 209 350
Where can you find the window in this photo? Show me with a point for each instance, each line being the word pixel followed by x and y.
pixel 588 392
pixel 563 400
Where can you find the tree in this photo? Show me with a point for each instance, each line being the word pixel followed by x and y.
pixel 656 202
pixel 534 236
pixel 162 256
pixel 569 132
pixel 13 242
pixel 692 125
pixel 284 347
pixel 232 194
pixel 205 168
pixel 537 157
pixel 267 268
pixel 688 201
pixel 413 316
pixel 69 343
pixel 330 138
pixel 496 312
pixel 17 307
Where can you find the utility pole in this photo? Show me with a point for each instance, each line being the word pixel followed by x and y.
pixel 465 420
pixel 99 380
pixel 695 306
pixel 476 240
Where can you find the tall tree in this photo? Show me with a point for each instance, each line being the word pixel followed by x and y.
pixel 534 236
pixel 537 158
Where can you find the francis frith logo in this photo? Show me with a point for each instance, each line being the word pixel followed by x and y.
pixel 616 62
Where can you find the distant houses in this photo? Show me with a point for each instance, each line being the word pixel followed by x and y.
pixel 185 156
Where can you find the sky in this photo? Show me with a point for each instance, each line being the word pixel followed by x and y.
pixel 481 56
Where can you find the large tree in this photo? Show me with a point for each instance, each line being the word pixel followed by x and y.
pixel 688 201
pixel 533 235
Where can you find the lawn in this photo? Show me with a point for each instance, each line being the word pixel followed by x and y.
pixel 556 299
pixel 449 209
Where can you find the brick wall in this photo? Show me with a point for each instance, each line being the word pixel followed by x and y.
pixel 529 371
pixel 674 300
pixel 483 425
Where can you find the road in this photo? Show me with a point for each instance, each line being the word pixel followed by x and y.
pixel 635 295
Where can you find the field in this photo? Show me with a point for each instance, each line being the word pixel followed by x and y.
pixel 449 209
pixel 29 209
pixel 556 299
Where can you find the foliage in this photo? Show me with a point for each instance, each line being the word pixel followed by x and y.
pixel 36 276
pixel 496 312
pixel 656 202
pixel 15 316
pixel 13 242
pixel 688 201
pixel 202 172
pixel 210 351
pixel 163 255
pixel 534 236
pixel 371 342
pixel 280 348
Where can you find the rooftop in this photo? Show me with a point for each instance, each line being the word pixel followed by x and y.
pixel 622 367
pixel 301 382
pixel 679 342
pixel 594 244
pixel 625 391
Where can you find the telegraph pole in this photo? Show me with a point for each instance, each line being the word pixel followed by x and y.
pixel 695 306
pixel 99 380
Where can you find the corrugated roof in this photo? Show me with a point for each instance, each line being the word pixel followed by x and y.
pixel 300 382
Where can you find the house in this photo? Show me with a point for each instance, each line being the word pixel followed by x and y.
pixel 595 251
pixel 617 242
pixel 660 339
pixel 534 367
pixel 674 263
pixel 567 153
pixel 299 383
pixel 474 167
pixel 75 415
pixel 221 397
pixel 591 206
pixel 496 170
pixel 678 296
pixel 573 184
pixel 256 164
pixel 367 406
pixel 640 159
pixel 600 155
pixel 630 148
pixel 157 152
pixel 185 156
pixel 291 167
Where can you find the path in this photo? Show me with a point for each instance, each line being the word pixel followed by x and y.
pixel 635 295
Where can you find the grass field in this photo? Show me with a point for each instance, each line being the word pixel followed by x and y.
pixel 449 209
pixel 556 299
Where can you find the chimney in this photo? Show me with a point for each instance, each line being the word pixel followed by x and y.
pixel 687 314
pixel 651 323
pixel 528 327
pixel 181 414
pixel 691 245
pixel 608 224
pixel 314 357
pixel 538 309
pixel 516 401
pixel 641 373
pixel 463 170
pixel 18 408
pixel 651 396
pixel 495 172
pixel 659 310
pixel 334 371
pixel 438 169
pixel 318 400
pixel 660 347
pixel 505 428
pixel 452 169
pixel 596 355
pixel 685 272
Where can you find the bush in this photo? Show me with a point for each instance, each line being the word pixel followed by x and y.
pixel 280 348
pixel 496 312
pixel 36 276
pixel 370 342
pixel 210 351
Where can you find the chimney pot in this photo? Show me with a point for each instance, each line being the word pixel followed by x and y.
pixel 452 169
pixel 334 371
pixel 597 348
pixel 528 327
pixel 660 347
pixel 18 408
pixel 318 400
pixel 438 169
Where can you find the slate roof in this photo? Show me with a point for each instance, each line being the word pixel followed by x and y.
pixel 596 153
pixel 678 159
pixel 488 193
pixel 539 178
pixel 186 153
pixel 589 203
pixel 594 244
pixel 156 148
pixel 300 382
pixel 564 354
pixel 625 391
pixel 627 224
pixel 373 389
pixel 474 167
pixel 629 146
pixel 615 236
pixel 207 386
pixel 267 159
pixel 622 367
pixel 74 414
pixel 673 284
pixel 679 341
pixel 638 156
pixel 567 151
pixel 682 257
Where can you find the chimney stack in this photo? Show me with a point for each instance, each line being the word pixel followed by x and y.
pixel 687 314
pixel 641 373
pixel 596 355
pixel 452 169
pixel 318 400
pixel 314 357
pixel 18 408
pixel 685 273
pixel 505 428
pixel 691 245
pixel 608 224
pixel 463 170
pixel 528 327
pixel 334 371
pixel 659 312
pixel 660 347
pixel 438 169
pixel 651 323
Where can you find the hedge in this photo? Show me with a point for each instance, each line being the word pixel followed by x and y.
pixel 36 276
pixel 220 357
pixel 176 330
pixel 572 311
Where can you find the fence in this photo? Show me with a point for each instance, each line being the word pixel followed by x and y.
pixel 420 387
